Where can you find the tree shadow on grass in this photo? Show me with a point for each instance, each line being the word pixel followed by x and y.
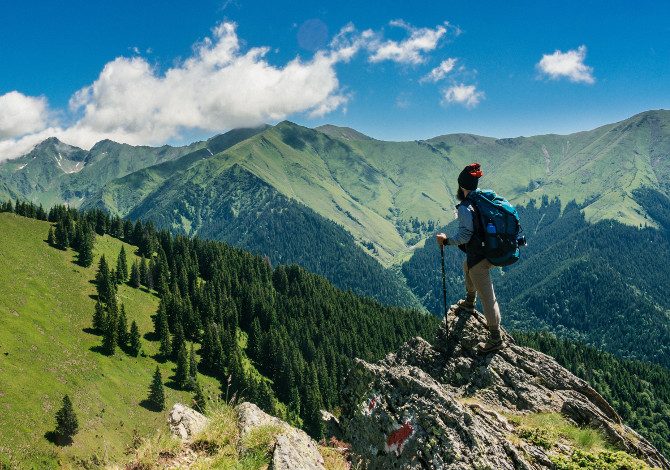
pixel 55 439
pixel 148 405
pixel 91 331
pixel 171 384
pixel 99 349
pixel 151 336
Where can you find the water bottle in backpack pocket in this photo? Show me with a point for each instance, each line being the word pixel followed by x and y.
pixel 491 237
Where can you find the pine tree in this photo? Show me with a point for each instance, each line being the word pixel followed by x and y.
pixel 122 266
pixel 135 279
pixel 156 393
pixel 163 333
pixel 85 247
pixel 122 328
pixel 178 340
pixel 192 365
pixel 109 334
pixel 51 238
pixel 199 400
pixel 61 236
pixel 144 272
pixel 102 280
pixel 256 340
pixel 313 406
pixel 99 317
pixel 181 375
pixel 66 421
pixel 135 341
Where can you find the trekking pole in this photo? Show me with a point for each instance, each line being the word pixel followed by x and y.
pixel 444 291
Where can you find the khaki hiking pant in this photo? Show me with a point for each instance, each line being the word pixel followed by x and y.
pixel 478 281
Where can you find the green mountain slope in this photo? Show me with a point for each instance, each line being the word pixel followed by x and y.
pixel 45 352
pixel 388 195
pixel 241 209
pixel 122 195
pixel 54 172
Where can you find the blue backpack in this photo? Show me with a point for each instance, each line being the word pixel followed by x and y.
pixel 499 225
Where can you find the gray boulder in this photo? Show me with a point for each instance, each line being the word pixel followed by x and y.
pixel 293 448
pixel 447 407
pixel 185 422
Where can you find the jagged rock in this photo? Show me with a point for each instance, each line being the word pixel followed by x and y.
pixel 293 448
pixel 185 422
pixel 446 406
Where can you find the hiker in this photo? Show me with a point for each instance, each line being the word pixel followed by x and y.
pixel 476 267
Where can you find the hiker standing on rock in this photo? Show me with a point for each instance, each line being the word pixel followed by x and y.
pixel 476 267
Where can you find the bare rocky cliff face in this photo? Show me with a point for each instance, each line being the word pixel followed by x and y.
pixel 447 407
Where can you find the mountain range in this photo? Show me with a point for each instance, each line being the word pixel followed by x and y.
pixel 350 193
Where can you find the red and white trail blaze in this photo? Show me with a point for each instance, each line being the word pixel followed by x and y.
pixel 397 439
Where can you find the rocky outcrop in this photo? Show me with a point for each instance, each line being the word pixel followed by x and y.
pixel 185 422
pixel 293 448
pixel 446 406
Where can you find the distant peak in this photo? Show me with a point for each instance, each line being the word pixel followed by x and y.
pixel 346 133
pixel 105 143
pixel 49 142
pixel 286 123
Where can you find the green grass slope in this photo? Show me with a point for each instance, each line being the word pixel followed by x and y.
pixel 45 306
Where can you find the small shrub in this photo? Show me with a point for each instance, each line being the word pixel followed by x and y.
pixel 539 437
pixel 605 460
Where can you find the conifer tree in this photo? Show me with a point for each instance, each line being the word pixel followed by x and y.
pixel 109 337
pixel 178 340
pixel 181 375
pixel 156 392
pixel 199 400
pixel 163 333
pixel 66 421
pixel 313 406
pixel 51 238
pixel 99 317
pixel 102 280
pixel 76 241
pixel 294 407
pixel 135 279
pixel 144 272
pixel 135 341
pixel 61 236
pixel 122 328
pixel 122 266
pixel 85 247
pixel 192 365
pixel 256 340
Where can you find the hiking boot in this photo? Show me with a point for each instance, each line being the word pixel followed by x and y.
pixel 466 305
pixel 493 343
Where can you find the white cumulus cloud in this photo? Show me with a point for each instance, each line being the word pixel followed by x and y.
pixel 411 50
pixel 441 71
pixel 467 95
pixel 21 114
pixel 222 85
pixel 568 65
pixel 219 87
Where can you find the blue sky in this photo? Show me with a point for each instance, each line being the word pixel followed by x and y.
pixel 613 61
